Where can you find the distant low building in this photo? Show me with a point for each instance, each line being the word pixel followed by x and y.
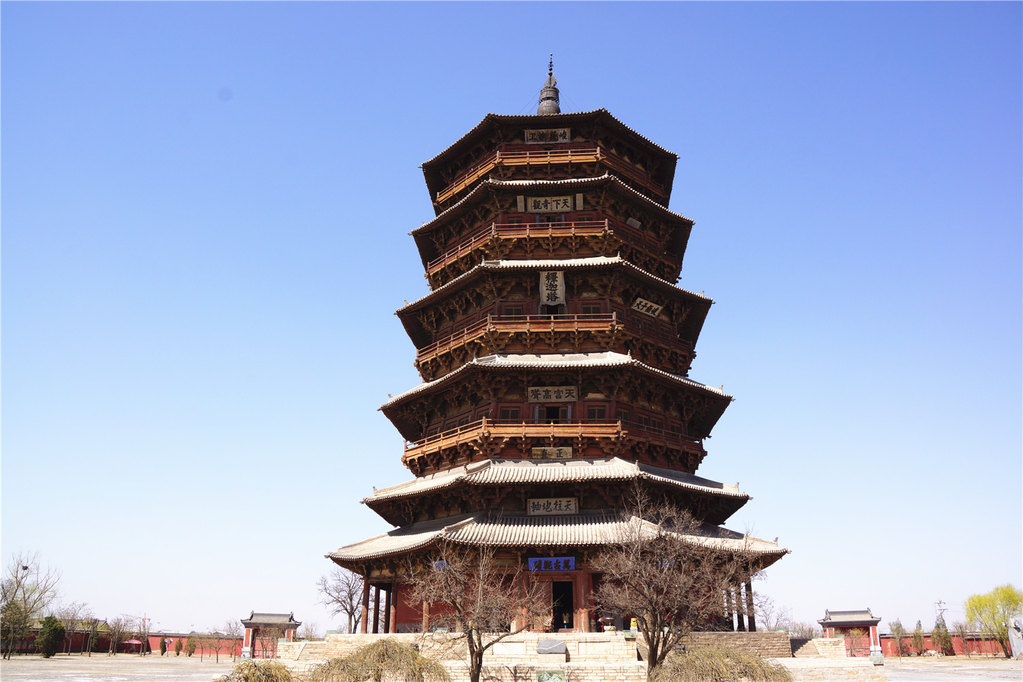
pixel 858 628
pixel 262 630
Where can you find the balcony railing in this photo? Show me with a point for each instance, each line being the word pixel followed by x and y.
pixel 547 158
pixel 548 323
pixel 495 428
pixel 575 228
pixel 518 323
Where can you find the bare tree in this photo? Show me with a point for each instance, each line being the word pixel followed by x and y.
pixel 266 638
pixel 483 599
pixel 770 616
pixel 70 616
pixel 309 631
pixel 962 632
pixel 232 629
pixel 118 629
pixel 663 573
pixel 341 591
pixel 140 626
pixel 91 626
pixel 26 589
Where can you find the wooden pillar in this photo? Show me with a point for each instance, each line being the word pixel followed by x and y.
pixel 741 623
pixel 376 609
pixel 750 616
pixel 426 616
pixel 394 608
pixel 365 606
pixel 582 613
pixel 388 606
pixel 728 609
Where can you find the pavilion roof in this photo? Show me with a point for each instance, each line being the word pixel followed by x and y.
pixel 580 530
pixel 285 620
pixel 849 618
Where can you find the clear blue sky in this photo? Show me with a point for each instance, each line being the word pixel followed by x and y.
pixel 205 216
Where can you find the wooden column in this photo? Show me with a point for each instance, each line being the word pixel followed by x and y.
pixel 388 606
pixel 426 617
pixel 728 609
pixel 376 609
pixel 582 613
pixel 365 606
pixel 750 616
pixel 740 622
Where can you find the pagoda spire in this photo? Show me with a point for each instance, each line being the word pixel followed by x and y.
pixel 549 102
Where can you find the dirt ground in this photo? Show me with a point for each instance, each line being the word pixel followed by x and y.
pixel 952 669
pixel 119 668
pixel 129 668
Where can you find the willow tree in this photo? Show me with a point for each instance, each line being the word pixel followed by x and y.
pixel 991 612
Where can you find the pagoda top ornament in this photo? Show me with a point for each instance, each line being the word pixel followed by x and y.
pixel 549 101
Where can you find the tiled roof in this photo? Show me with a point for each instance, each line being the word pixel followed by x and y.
pixel 554 263
pixel 278 619
pixel 556 184
pixel 547 120
pixel 524 471
pixel 858 617
pixel 538 531
pixel 553 361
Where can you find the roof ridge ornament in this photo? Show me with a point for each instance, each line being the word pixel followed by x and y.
pixel 550 102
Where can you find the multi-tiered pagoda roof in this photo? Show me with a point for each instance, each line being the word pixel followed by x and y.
pixel 555 347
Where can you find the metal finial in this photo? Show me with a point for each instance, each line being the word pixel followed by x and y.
pixel 549 99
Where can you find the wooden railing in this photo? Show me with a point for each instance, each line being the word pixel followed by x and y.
pixel 548 323
pixel 493 428
pixel 545 158
pixel 490 427
pixel 573 228
pixel 518 323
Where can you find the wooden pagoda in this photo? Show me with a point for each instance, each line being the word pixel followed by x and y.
pixel 554 348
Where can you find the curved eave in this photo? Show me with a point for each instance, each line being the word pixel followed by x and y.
pixel 518 472
pixel 552 362
pixel 513 532
pixel 700 302
pixel 492 122
pixel 425 246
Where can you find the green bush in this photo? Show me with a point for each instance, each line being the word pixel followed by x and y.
pixel 177 646
pixel 382 658
pixel 718 664
pixel 51 636
pixel 266 671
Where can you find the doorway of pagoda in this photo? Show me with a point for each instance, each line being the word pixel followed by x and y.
pixel 562 605
pixel 553 413
pixel 557 309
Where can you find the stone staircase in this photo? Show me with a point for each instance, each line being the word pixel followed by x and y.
pixel 819 647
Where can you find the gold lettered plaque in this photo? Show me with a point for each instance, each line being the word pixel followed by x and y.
pixel 548 135
pixel 551 394
pixel 552 453
pixel 551 506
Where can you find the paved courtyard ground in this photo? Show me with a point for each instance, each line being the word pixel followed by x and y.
pixel 128 668
pixel 952 669
pixel 119 668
